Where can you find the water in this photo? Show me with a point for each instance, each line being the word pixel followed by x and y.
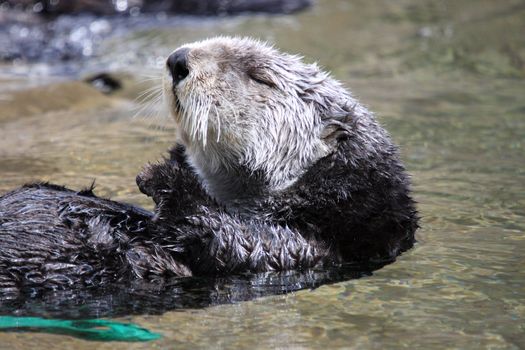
pixel 447 80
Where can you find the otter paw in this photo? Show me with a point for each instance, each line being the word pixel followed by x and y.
pixel 158 180
pixel 145 180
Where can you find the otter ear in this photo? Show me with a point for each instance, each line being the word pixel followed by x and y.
pixel 262 76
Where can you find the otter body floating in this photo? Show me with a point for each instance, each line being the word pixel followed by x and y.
pixel 276 167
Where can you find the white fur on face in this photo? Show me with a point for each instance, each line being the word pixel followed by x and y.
pixel 244 105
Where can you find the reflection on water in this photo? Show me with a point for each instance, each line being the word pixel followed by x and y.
pixel 445 77
pixel 140 297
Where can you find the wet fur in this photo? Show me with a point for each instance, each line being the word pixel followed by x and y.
pixel 277 167
pixel 54 237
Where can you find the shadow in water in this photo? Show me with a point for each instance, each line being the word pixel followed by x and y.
pixel 180 293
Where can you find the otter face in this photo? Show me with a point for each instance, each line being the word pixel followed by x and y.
pixel 252 119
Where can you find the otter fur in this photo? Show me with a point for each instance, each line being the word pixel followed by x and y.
pixel 277 167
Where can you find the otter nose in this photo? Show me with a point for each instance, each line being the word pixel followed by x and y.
pixel 177 64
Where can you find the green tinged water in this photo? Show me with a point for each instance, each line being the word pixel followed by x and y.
pixel 446 78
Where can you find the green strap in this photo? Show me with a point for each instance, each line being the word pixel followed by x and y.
pixel 95 329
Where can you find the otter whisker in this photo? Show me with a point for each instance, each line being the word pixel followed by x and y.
pixel 146 94
pixel 147 78
pixel 195 116
pixel 149 105
pixel 218 116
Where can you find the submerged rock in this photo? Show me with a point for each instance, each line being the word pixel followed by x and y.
pixel 104 82
pixel 71 96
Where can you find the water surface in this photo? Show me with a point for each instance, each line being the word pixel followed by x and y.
pixel 447 80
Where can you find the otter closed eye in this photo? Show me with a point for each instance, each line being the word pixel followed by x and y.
pixel 260 78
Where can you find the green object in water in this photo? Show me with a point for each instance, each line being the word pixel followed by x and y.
pixel 102 330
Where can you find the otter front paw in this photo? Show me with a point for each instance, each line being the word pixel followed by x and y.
pixel 145 180
pixel 167 181
pixel 155 180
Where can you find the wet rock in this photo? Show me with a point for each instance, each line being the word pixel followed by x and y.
pixel 105 83
pixel 134 7
pixel 30 38
pixel 226 7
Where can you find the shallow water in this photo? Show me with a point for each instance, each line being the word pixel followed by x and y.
pixel 447 80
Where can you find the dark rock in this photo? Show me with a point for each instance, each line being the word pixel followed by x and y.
pixel 193 7
pixel 104 82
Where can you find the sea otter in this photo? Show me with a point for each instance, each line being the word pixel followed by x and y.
pixel 276 167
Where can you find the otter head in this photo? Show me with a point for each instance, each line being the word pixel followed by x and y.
pixel 252 119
